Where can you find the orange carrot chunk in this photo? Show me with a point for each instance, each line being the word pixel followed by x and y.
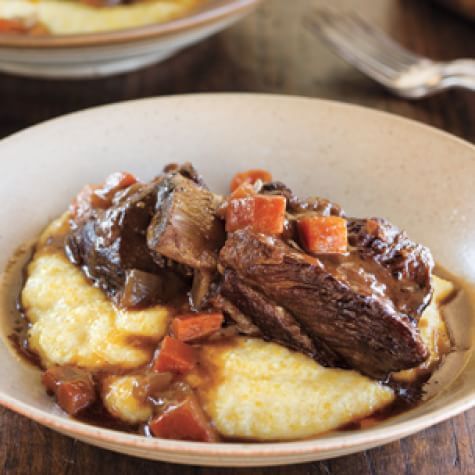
pixel 73 387
pixel 175 356
pixel 269 214
pixel 195 326
pixel 250 176
pixel 261 213
pixel 74 396
pixel 12 26
pixel 120 180
pixel 115 182
pixel 185 421
pixel 323 234
pixel 242 191
pixel 100 196
pixel 84 201
pixel 239 214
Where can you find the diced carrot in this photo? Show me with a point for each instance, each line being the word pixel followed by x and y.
pixel 185 421
pixel 100 196
pixel 114 183
pixel 240 214
pixel 195 326
pixel 73 387
pixel 261 213
pixel 242 191
pixel 73 396
pixel 269 214
pixel 12 26
pixel 119 180
pixel 250 176
pixel 84 201
pixel 323 234
pixel 373 227
pixel 175 356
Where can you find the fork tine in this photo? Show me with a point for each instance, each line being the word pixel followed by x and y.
pixel 349 33
pixel 364 46
pixel 403 56
pixel 336 36
pixel 362 37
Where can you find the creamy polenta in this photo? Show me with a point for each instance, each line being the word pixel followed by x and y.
pixel 65 17
pixel 74 323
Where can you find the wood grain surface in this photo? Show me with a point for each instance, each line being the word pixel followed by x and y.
pixel 269 52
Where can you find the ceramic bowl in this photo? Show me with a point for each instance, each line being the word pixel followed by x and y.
pixel 373 163
pixel 105 54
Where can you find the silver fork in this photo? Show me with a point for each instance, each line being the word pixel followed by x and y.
pixel 373 52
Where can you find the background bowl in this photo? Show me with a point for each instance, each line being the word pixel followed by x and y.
pixel 384 166
pixel 105 54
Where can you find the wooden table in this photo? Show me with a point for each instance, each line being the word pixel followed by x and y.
pixel 268 52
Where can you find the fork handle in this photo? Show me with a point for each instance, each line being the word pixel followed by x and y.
pixel 463 82
pixel 458 74
pixel 459 67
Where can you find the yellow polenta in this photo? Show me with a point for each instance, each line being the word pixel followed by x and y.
pixel 63 17
pixel 119 399
pixel 264 391
pixel 76 323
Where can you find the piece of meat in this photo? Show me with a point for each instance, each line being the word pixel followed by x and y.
pixel 274 321
pixel 409 265
pixel 143 289
pixel 184 227
pixel 200 289
pixel 175 211
pixel 113 241
pixel 338 300
pixel 187 170
pixel 243 322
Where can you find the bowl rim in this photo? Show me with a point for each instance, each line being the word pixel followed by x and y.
pixel 207 15
pixel 353 441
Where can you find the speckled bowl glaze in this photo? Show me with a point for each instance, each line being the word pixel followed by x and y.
pixel 105 54
pixel 373 163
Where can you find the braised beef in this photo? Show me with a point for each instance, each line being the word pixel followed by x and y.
pixel 408 265
pixel 200 289
pixel 175 212
pixel 143 289
pixel 243 322
pixel 274 321
pixel 340 300
pixel 184 227
pixel 187 170
pixel 113 241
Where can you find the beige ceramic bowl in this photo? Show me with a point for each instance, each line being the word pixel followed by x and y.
pixel 104 54
pixel 371 162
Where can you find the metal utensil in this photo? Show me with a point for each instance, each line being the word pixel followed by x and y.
pixel 373 52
